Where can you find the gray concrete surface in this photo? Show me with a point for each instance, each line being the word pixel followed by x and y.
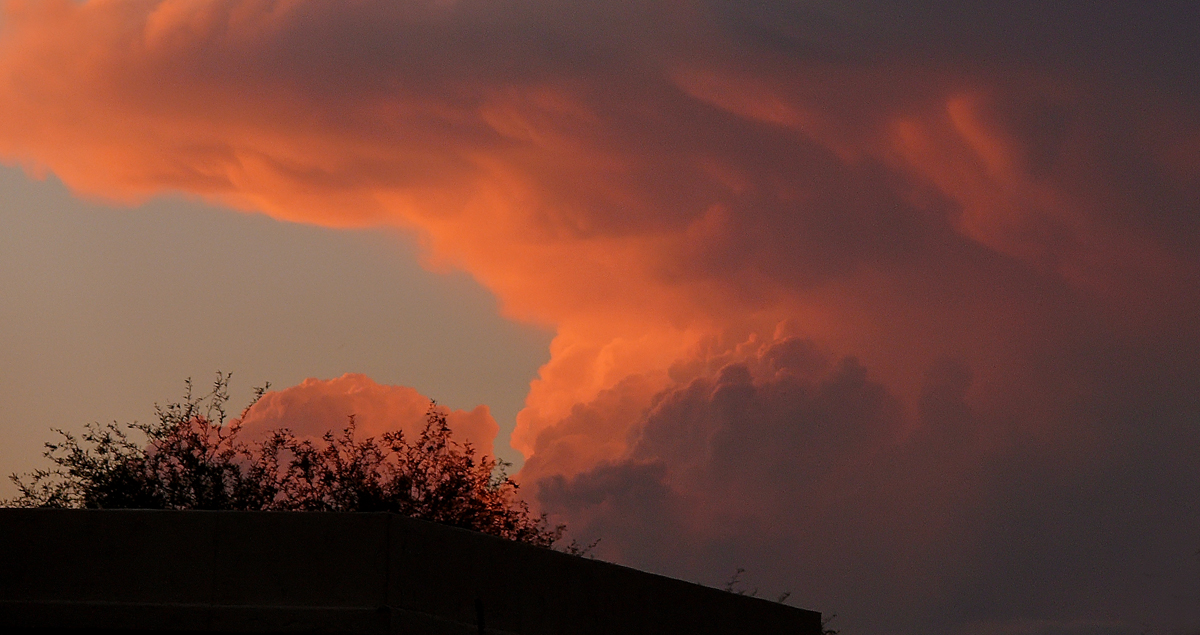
pixel 278 572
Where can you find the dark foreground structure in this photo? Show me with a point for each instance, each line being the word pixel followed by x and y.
pixel 119 571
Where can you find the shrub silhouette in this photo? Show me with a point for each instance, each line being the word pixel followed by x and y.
pixel 192 458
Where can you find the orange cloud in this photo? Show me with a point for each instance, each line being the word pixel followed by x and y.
pixel 316 406
pixel 991 211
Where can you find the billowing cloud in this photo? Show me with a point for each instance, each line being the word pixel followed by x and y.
pixel 949 517
pixel 893 299
pixel 316 406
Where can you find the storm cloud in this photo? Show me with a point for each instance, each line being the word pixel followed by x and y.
pixel 890 304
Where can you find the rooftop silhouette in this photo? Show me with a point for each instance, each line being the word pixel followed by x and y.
pixel 353 573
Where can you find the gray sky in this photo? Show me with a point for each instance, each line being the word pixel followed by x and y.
pixel 107 309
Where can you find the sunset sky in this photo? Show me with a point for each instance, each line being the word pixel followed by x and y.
pixel 892 304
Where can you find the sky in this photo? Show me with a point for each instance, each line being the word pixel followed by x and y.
pixel 109 309
pixel 890 304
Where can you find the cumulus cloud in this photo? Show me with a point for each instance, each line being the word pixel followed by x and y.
pixel 787 452
pixel 855 292
pixel 811 474
pixel 315 406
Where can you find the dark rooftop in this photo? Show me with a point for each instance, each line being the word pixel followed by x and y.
pixel 275 572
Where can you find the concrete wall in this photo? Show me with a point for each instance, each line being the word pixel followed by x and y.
pixel 349 573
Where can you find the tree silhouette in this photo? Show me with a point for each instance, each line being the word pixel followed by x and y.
pixel 192 458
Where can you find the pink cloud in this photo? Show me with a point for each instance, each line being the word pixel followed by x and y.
pixel 316 406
